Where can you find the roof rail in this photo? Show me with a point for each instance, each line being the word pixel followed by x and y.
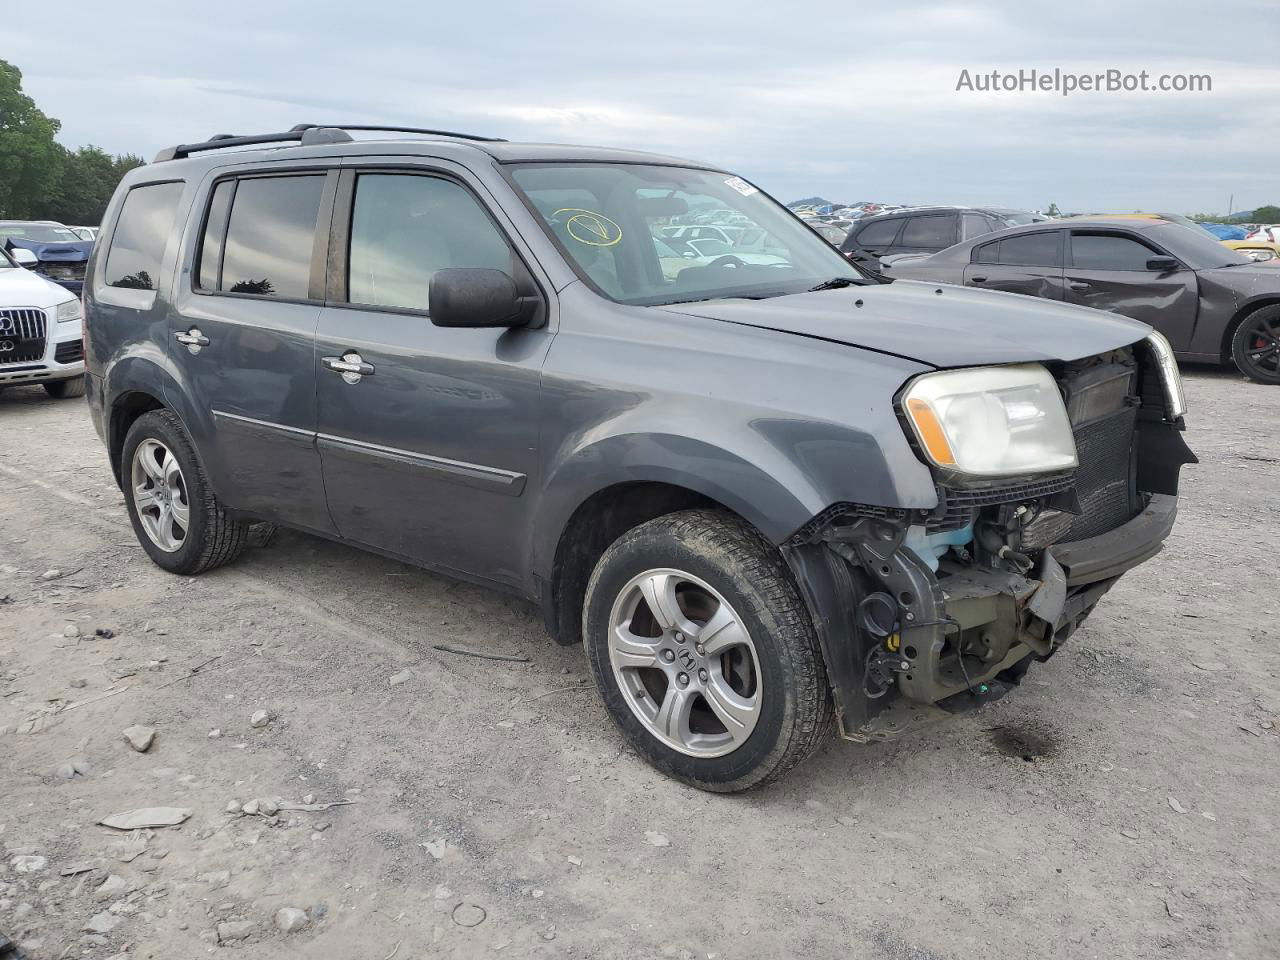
pixel 377 127
pixel 306 134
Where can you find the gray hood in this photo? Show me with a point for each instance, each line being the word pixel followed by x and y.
pixel 937 324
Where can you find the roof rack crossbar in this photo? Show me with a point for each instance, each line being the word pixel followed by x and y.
pixel 305 134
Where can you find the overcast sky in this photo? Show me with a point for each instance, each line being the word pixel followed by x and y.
pixel 849 100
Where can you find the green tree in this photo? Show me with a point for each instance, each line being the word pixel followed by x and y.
pixel 30 158
pixel 89 177
pixel 1053 211
pixel 1266 214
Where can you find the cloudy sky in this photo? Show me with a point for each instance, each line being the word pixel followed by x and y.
pixel 849 100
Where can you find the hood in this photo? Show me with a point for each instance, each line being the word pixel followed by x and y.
pixel 25 288
pixel 67 252
pixel 937 324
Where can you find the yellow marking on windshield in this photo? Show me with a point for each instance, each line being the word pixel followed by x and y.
pixel 589 227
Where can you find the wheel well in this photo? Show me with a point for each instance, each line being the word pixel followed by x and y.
pixel 127 408
pixel 1239 319
pixel 599 521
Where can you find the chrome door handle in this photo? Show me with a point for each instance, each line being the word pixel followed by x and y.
pixel 978 279
pixel 351 365
pixel 1078 285
pixel 193 339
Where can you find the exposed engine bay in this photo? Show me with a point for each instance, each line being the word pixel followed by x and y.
pixel 948 608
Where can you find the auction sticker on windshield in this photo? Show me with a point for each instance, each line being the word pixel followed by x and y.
pixel 741 186
pixel 589 227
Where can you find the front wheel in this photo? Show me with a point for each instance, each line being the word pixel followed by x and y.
pixel 704 652
pixel 1255 347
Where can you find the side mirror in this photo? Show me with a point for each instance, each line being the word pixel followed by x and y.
pixel 477 297
pixel 24 257
pixel 1162 264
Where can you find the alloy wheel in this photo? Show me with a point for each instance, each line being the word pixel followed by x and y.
pixel 160 495
pixel 685 663
pixel 1263 350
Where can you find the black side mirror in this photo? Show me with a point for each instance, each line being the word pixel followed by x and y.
pixel 1162 264
pixel 477 297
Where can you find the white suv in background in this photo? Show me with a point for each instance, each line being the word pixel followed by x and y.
pixel 40 331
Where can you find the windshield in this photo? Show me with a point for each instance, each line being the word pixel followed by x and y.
pixel 617 222
pixel 1199 250
pixel 37 233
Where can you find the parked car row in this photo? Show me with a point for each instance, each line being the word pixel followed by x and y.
pixel 40 331
pixel 1212 303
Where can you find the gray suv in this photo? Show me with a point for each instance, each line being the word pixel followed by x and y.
pixel 768 496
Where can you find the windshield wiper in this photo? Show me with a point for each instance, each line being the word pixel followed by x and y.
pixel 835 283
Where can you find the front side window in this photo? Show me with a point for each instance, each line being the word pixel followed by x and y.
pixel 269 238
pixel 404 228
pixel 138 242
pixel 1109 251
pixel 605 217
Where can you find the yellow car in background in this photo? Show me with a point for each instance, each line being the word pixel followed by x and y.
pixel 1263 251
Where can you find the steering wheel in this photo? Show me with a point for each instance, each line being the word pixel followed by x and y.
pixel 727 260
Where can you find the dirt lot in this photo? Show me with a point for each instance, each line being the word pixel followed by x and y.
pixel 1121 804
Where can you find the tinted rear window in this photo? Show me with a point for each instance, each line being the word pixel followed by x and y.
pixel 933 233
pixel 270 234
pixel 1029 250
pixel 137 244
pixel 879 233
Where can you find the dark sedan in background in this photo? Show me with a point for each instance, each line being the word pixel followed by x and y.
pixel 61 255
pixel 923 230
pixel 1213 304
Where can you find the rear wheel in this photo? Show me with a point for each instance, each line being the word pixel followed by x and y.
pixel 175 515
pixel 704 652
pixel 1255 347
pixel 65 389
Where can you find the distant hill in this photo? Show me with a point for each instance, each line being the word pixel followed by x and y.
pixel 809 202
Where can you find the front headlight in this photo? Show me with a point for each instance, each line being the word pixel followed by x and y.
pixel 68 311
pixel 1170 376
pixel 991 421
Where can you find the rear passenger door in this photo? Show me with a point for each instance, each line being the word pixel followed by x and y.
pixel 243 339
pixel 1027 263
pixel 430 451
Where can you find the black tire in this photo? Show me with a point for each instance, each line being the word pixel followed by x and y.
pixel 213 537
pixel 65 389
pixel 796 712
pixel 1258 330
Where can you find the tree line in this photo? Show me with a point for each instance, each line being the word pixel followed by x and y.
pixel 39 178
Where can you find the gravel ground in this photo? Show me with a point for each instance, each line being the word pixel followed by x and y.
pixel 1120 804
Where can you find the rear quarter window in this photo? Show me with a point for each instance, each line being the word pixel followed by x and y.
pixel 141 232
pixel 879 234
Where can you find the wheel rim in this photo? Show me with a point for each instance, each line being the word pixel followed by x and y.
pixel 160 495
pixel 1263 349
pixel 685 663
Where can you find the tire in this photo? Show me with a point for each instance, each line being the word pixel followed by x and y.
pixel 703 561
pixel 211 537
pixel 65 389
pixel 1259 330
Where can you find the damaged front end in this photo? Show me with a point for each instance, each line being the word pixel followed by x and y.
pixel 922 611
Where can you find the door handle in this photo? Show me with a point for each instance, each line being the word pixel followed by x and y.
pixel 978 279
pixel 351 365
pixel 192 339
pixel 1078 285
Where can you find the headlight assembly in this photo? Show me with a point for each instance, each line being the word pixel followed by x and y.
pixel 68 311
pixel 991 421
pixel 1170 377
